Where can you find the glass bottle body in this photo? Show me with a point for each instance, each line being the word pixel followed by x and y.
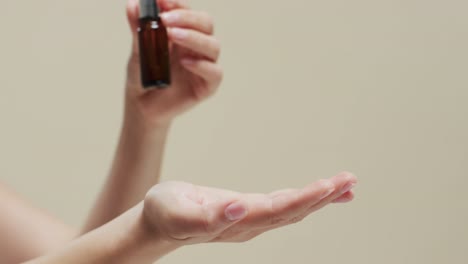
pixel 154 53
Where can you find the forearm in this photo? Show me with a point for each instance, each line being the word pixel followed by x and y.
pixel 26 231
pixel 126 239
pixel 135 169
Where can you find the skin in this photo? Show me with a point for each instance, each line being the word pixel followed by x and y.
pixel 177 214
pixel 137 220
pixel 148 114
pixel 27 232
pixel 187 214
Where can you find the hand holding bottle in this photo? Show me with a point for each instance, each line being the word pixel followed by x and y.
pixel 194 52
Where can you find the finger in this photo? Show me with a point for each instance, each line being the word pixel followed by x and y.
pixel 202 44
pixel 285 207
pixel 267 210
pixel 282 192
pixel 189 19
pixel 275 209
pixel 340 182
pixel 167 5
pixel 211 73
pixel 258 205
pixel 345 198
pixel 132 15
pixel 133 10
pixel 345 182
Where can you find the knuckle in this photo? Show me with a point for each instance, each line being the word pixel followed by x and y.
pixel 209 21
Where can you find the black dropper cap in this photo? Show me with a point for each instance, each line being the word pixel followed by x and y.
pixel 149 8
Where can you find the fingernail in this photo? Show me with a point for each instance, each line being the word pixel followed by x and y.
pixel 348 187
pixel 179 33
pixel 235 212
pixel 170 17
pixel 330 189
pixel 188 62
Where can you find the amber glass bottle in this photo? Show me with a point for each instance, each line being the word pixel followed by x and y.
pixel 154 47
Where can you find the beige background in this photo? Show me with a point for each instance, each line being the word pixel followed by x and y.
pixel 379 88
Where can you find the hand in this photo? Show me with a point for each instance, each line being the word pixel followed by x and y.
pixel 187 214
pixel 194 53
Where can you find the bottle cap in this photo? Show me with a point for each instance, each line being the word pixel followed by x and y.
pixel 149 8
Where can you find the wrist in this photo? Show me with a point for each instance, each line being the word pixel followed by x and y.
pixel 136 117
pixel 141 242
pixel 141 137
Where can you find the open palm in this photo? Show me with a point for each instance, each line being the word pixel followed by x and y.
pixel 190 214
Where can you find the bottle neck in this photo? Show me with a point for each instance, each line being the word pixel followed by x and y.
pixel 149 18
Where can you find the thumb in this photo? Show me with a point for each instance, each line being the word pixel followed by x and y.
pixel 210 219
pixel 235 212
pixel 223 214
